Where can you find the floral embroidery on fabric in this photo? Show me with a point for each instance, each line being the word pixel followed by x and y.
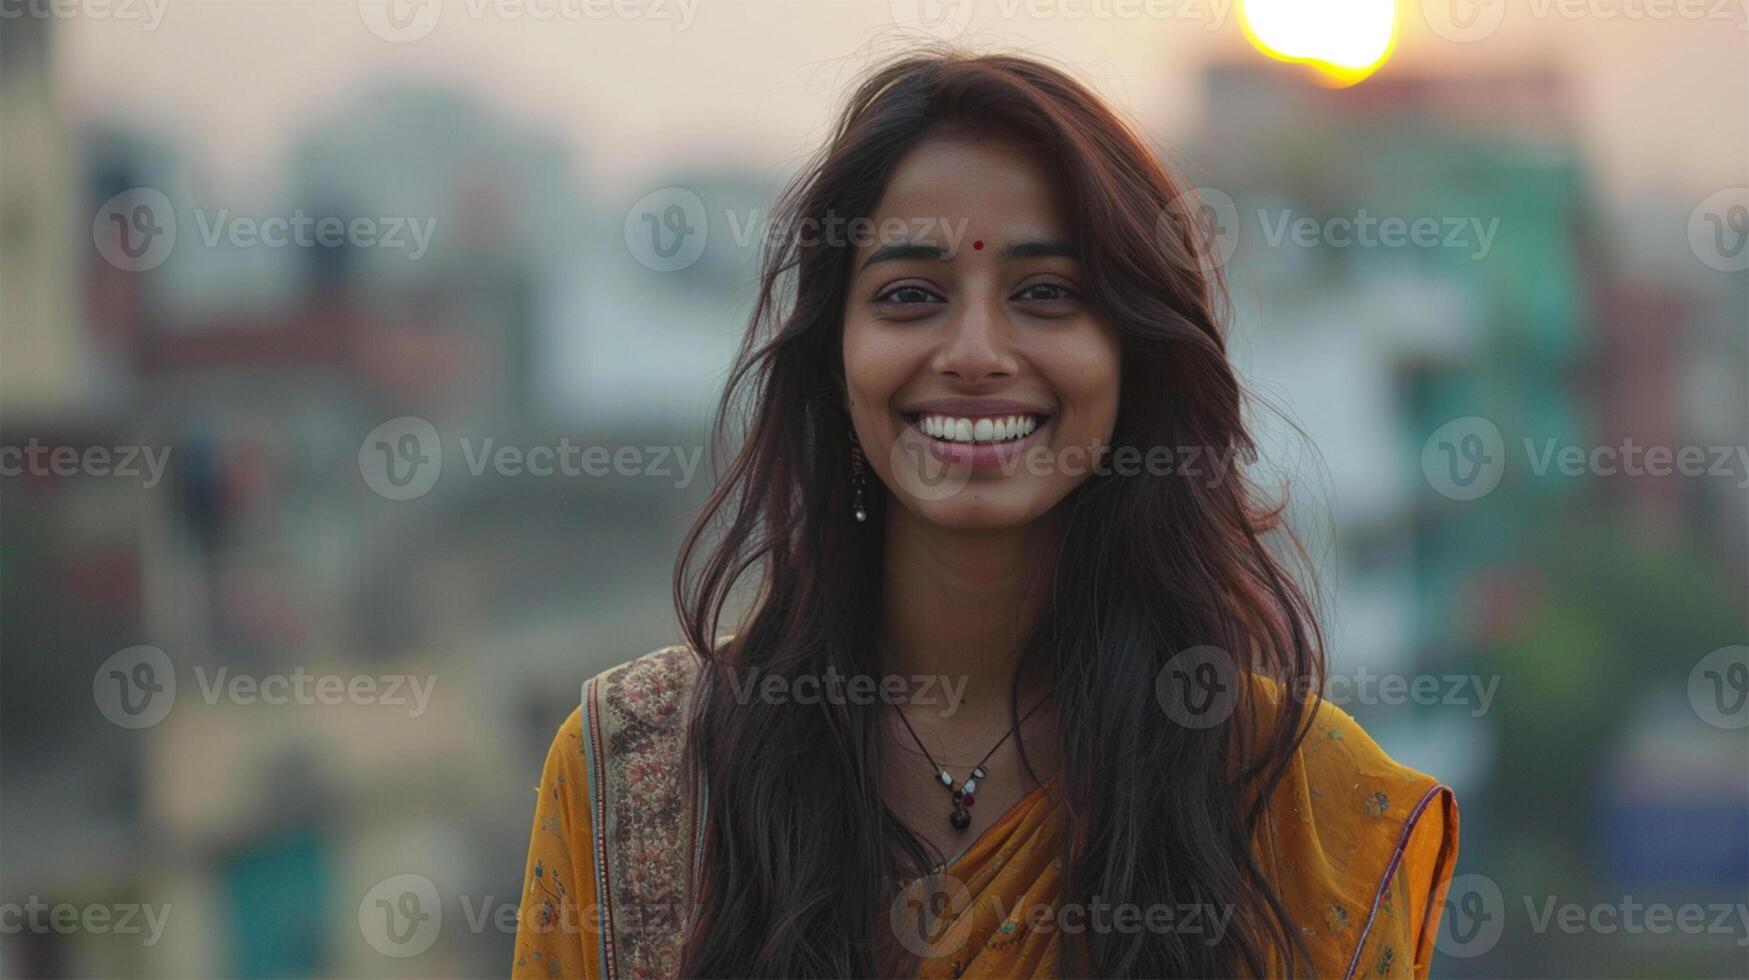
pixel 642 789
pixel 1377 804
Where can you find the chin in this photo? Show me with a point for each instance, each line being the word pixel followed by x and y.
pixel 972 510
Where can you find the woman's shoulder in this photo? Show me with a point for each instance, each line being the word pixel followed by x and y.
pixel 615 826
pixel 1335 747
pixel 652 689
pixel 1361 843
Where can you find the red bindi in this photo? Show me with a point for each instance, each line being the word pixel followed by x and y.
pixel 978 246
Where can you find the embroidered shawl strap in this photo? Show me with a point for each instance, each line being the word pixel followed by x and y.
pixel 647 806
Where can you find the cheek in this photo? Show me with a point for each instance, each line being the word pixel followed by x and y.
pixel 874 369
pixel 1088 373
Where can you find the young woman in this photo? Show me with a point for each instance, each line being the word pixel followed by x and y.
pixel 1021 690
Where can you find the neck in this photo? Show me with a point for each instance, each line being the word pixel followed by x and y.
pixel 960 604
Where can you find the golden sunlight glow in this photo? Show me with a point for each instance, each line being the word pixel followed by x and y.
pixel 1344 40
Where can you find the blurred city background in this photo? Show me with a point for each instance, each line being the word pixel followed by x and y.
pixel 552 213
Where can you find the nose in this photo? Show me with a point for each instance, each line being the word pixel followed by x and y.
pixel 978 342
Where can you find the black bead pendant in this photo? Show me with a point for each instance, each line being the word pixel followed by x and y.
pixel 961 819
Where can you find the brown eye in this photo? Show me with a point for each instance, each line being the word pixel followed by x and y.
pixel 1046 292
pixel 907 295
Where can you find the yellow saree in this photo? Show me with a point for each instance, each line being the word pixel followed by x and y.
pixel 1361 850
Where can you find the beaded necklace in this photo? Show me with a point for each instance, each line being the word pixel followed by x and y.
pixel 963 796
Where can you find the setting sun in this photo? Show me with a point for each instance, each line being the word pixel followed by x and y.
pixel 1344 40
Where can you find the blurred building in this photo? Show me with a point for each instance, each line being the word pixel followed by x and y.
pixel 264 553
pixel 1587 598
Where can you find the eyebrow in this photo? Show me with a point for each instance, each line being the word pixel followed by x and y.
pixel 1047 248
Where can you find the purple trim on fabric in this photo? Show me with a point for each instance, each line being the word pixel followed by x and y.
pixel 1391 869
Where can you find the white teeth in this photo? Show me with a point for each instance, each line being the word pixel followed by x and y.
pixel 982 429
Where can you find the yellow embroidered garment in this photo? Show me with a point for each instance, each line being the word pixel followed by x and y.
pixel 1361 850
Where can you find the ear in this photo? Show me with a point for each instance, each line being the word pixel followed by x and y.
pixel 842 388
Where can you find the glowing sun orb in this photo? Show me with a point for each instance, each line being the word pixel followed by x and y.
pixel 1343 40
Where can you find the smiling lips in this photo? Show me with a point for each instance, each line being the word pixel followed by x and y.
pixel 999 428
pixel 978 441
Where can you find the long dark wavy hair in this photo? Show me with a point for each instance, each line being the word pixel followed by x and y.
pixel 801 852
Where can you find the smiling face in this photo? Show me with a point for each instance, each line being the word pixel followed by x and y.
pixel 982 383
